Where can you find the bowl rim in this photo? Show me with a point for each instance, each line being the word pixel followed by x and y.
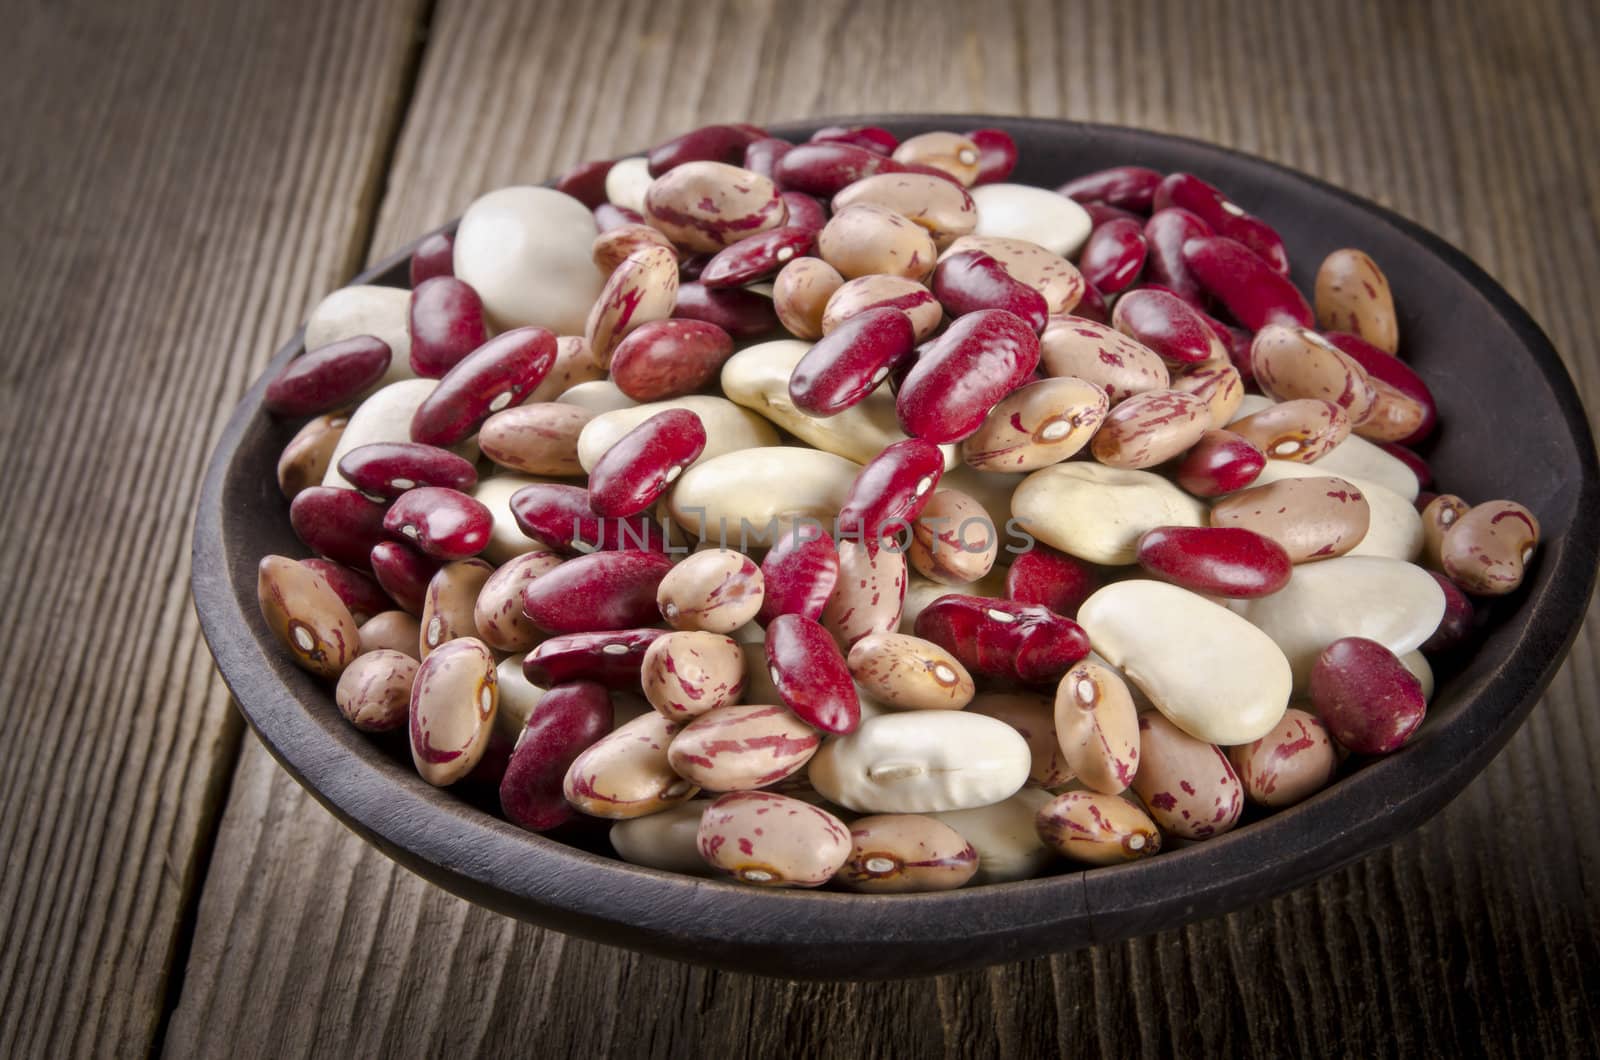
pixel 792 933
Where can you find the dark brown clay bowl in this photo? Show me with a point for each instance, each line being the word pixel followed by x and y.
pixel 1513 427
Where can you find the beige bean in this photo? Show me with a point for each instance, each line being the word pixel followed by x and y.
pixel 538 439
pixel 747 498
pixel 374 692
pixel 800 295
pixel 1291 362
pixel 309 454
pixel 742 746
pixel 1053 276
pixel 449 610
pixel 1097 725
pixel 953 541
pixel 870 292
pixel 612 247
pixel 1353 295
pixel 1312 518
pixel 308 617
pixel 1096 512
pixel 717 590
pixel 947 151
pixel 1150 428
pixel 1073 346
pixel 1040 424
pixel 1031 715
pixel 938 205
pixel 1487 550
pixel 1187 786
pixel 1288 765
pixel 518 698
pixel 910 672
pixel 1217 384
pixel 626 774
pixel 1003 834
pixel 393 630
pixel 687 673
pixel 872 241
pixel 1097 829
pixel 642 289
pixel 497 613
pixel 453 704
pixel 1394 416
pixel 771 840
pixel 575 364
pixel 664 840
pixel 903 853
pixel 705 206
pixel 1438 517
pixel 1303 430
pixel 867 595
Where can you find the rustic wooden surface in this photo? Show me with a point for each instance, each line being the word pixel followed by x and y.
pixel 183 179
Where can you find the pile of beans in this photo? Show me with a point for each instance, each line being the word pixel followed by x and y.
pixel 841 512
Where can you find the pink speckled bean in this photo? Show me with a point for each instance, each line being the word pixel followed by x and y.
pixel 1032 715
pixel 972 280
pixel 307 616
pixel 446 321
pixel 641 289
pixel 1368 699
pixel 1114 255
pixel 559 517
pixel 1003 638
pixel 1303 430
pixel 875 292
pixel 1252 292
pixel 1096 829
pixel 596 593
pixel 363 596
pixel 502 372
pixel 716 589
pixel 1389 369
pixel 1150 429
pixel 304 461
pixel 388 469
pixel 688 672
pixel 435 256
pixel 902 853
pixel 568 720
pixel 810 674
pixel 447 607
pixel 1291 363
pixel 608 216
pixel 612 658
pixel 323 379
pixel 979 360
pixel 849 362
pixel 626 774
pixel 1092 351
pixel 742 746
pixel 453 704
pixel 799 573
pixel 869 593
pixel 1487 550
pixel 1288 765
pixel 612 247
pixel 374 692
pixel 337 523
pixel 1188 192
pixel 705 206
pixel 444 523
pixel 772 840
pixel 1126 187
pixel 1187 785
pixel 498 614
pixel 642 464
pixel 1097 726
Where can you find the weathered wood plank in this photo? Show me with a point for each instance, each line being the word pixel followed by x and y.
pixel 1478 933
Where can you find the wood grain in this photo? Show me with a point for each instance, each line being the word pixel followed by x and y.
pixel 1478 934
pixel 177 185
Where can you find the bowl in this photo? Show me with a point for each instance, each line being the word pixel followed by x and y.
pixel 1512 426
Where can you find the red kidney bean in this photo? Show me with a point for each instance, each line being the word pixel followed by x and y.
pixel 1424 498
pixel 824 169
pixel 870 137
pixel 643 464
pixel 1165 234
pixel 709 143
pixel 891 491
pixel 1237 342
pixel 1392 370
pixel 761 156
pixel 609 215
pixel 1366 697
pixel 387 469
pixel 1166 324
pixel 980 359
pixel 338 524
pixel 755 132
pixel 599 592
pixel 1004 639
pixel 1127 187
pixel 741 313
pixel 586 182
pixel 1092 306
pixel 805 211
pixel 1187 191
pixel 810 674
pixel 997 154
pixel 325 378
pixel 404 573
pixel 446 321
pixel 1418 466
pixel 669 358
pixel 1456 625
pixel 798 574
pixel 612 658
pixel 757 257
pixel 559 517
pixel 1051 579
pixel 1220 561
pixel 1220 462
pixel 849 362
pixel 972 280
pixel 690 266
pixel 434 256
pixel 1244 283
pixel 500 373
pixel 567 719
pixel 1099 214
pixel 1114 255
pixel 445 524
pixel 361 595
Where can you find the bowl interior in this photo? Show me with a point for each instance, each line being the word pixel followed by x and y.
pixel 1512 426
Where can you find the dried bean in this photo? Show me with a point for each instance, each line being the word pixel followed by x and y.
pixel 922 761
pixel 1368 699
pixel 1050 579
pixel 741 313
pixel 906 853
pixel 569 719
pixel 874 292
pixel 689 672
pixel 757 257
pixel 762 156
pixel 1188 192
pixel 1097 829
pixel 1032 716
pixel 1097 726
pixel 1352 294
pixel 305 460
pixel 871 137
pixel 771 840
pixel 448 608
pixel 560 518
pixel 404 573
pixel 709 143
pixel 339 524
pixel 613 246
pixel 981 358
pixel 972 280
pixel 910 672
pixel 800 295
pixel 444 523
pixel 434 256
pixel 1381 367
pixel 1074 346
pixel 1167 325
pixel 868 594
pixel 669 358
pixel 890 491
pixel 942 207
pixel 851 361
pixel 742 746
pixel 497 613
pixel 1486 551
pixel 363 596
pixel 626 774
pixel 1217 383
pixel 642 289
pixel 810 674
pixel 798 575
pixel 1039 424
pixel 1253 292
pixel 1288 765
pixel 869 240
pixel 1002 638
pixel 1220 462
pixel 1127 187
pixel 446 321
pixel 1312 518
pixel 945 547
pixel 394 631
pixel 1114 255
pixel 1217 561
pixel 323 379
pixel 596 593
pixel 1291 363
pixel 644 463
pixel 825 169
pixel 1303 430
pixel 502 372
pixel 374 692
pixel 453 703
pixel 613 659
pixel 1456 625
pixel 306 614
pixel 997 154
pixel 1187 785
pixel 705 206
pixel 717 590
pixel 1150 428
pixel 385 470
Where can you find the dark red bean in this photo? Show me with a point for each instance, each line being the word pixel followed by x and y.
pixel 339 524
pixel 1456 625
pixel 327 377
pixel 1218 560
pixel 825 169
pixel 1187 191
pixel 798 574
pixel 1130 188
pixel 388 469
pixel 363 596
pixel 891 491
pixel 805 211
pixel 642 464
pixel 1365 695
pixel 1092 306
pixel 1099 213
pixel 566 721
pixel 1051 579
pixel 598 592
pixel 500 373
pixel 613 659
pixel 434 256
pixel 1004 639
pixel 709 143
pixel 755 132
pixel 1419 467
pixel 1392 370
pixel 761 156
pixel 849 362
pixel 609 215
pixel 446 321
pixel 810 674
pixel 741 313
pixel 997 154
pixel 964 373
pixel 586 182
pixel 1237 341
pixel 1166 324
pixel 1424 498
pixel 558 516
pixel 690 266
pixel 1244 283
pixel 1165 234
pixel 404 573
pixel 1114 255
pixel 757 257
pixel 669 358
pixel 879 141
pixel 445 524
pixel 972 280
pixel 1220 462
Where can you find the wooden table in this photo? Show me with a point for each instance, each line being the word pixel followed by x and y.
pixel 181 181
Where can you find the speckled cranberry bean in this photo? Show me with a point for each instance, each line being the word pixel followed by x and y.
pixel 689 672
pixel 1299 363
pixel 1084 349
pixel 1097 726
pixel 798 575
pixel 1051 579
pixel 568 720
pixel 972 280
pixel 873 292
pixel 1456 625
pixel 1487 551
pixel 1166 324
pixel 1150 428
pixel 705 206
pixel 825 169
pixel 709 143
pixel 1438 516
pixel 434 256
pixel 325 378
pixel 1303 430
pixel 444 523
pixel 453 701
pixel 851 361
pixel 1188 192
pixel 1383 368
pixel 941 206
pixel 1097 829
pixel 643 464
pixel 1003 638
pixel 979 360
pixel 1288 765
pixel 800 295
pixel 953 540
pixel 1031 715
pixel 612 658
pixel 669 358
pixel 394 631
pixel 868 594
pixel 306 614
pixel 497 613
pixel 1312 518
pixel 1114 255
pixel 757 257
pixel 374 692
pixel 1247 285
pixel 1217 383
pixel 446 322
pixel 626 774
pixel 612 247
pixel 641 289
pixel 1393 415
pixel 574 364
pixel 1352 294
pixel 537 439
pixel 761 156
pixel 1165 234
pixel 810 674
pixel 1040 424
pixel 910 672
pixel 304 461
pixel 741 313
pixel 891 491
pixel 449 603
pixel 904 853
pixel 337 523
pixel 1368 699
pixel 387 469
pixel 770 840
pixel 947 152
pixel 1220 462
pixel 502 372
pixel 866 240
pixel 1218 561
pixel 363 596
pixel 742 746
pixel 1187 785
pixel 717 590
pixel 1053 276
pixel 598 592
pixel 559 517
